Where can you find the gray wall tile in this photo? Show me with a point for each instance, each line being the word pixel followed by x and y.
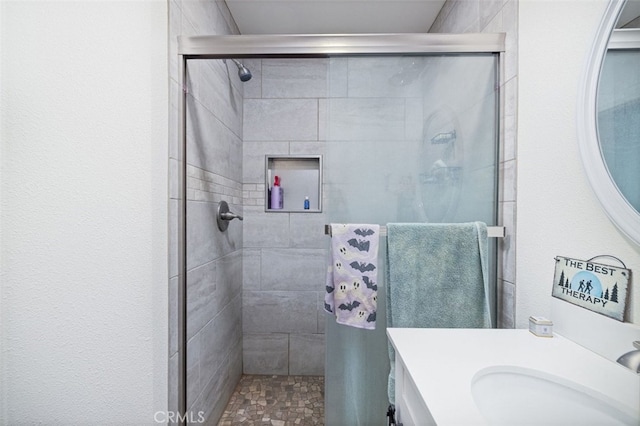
pixel 366 119
pixel 221 338
pixel 510 119
pixel 294 78
pixel 193 369
pixel 251 271
pixel 507 245
pixel 322 314
pixel 508 180
pixel 224 14
pixel 293 269
pixel 323 122
pixel 489 10
pixel 414 118
pixel 280 119
pixel 201 291
pixel 279 312
pixel 506 301
pixel 204 17
pixel 211 145
pixel 228 280
pixel 385 77
pixel 338 75
pixel 266 353
pixel 210 84
pixel 307 230
pixel 262 229
pixel 217 391
pixel 306 354
pixel 306 148
pixel 254 159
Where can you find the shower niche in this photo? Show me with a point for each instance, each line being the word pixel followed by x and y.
pixel 300 176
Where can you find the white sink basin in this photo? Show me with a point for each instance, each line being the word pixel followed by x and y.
pixel 507 395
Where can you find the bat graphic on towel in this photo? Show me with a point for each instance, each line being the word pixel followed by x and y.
pixel 362 245
pixel 349 306
pixel 363 266
pixel 370 284
pixel 364 232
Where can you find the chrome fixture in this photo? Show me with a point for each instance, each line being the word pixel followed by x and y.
pixel 444 137
pixel 243 72
pixel 224 216
pixel 631 359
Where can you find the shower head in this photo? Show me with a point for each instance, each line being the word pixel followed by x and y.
pixel 243 72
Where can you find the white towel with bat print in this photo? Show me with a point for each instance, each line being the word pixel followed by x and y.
pixel 352 277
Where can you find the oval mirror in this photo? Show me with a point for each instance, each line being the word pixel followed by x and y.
pixel 609 116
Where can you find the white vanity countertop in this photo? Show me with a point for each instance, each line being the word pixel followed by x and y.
pixel 443 362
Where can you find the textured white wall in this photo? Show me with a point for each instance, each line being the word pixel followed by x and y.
pixel 558 213
pixel 84 211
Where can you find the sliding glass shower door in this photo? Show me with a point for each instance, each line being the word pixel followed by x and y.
pixel 408 139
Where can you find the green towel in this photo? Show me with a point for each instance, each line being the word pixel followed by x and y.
pixel 436 278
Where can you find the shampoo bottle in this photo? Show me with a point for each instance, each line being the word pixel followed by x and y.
pixel 276 194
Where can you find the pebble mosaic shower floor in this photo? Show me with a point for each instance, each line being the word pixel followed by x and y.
pixel 276 401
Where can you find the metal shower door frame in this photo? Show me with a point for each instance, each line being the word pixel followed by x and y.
pixel 290 46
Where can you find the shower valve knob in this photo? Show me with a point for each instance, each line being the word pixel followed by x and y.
pixel 224 216
pixel 230 216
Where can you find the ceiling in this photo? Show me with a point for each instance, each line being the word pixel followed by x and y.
pixel 348 16
pixel 334 16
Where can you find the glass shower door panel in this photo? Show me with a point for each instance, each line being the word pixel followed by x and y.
pixel 408 139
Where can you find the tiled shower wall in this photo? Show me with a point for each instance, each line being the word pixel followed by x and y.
pixel 284 253
pixel 214 259
pixel 484 16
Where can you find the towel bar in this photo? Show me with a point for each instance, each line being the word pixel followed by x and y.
pixel 492 231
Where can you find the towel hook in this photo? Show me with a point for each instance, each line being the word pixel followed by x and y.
pixel 224 216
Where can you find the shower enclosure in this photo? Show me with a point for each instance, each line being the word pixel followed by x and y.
pixel 407 126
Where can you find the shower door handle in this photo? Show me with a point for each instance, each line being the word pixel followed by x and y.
pixel 224 216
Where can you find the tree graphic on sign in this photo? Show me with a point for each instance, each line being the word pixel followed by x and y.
pixel 614 293
pixel 561 280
